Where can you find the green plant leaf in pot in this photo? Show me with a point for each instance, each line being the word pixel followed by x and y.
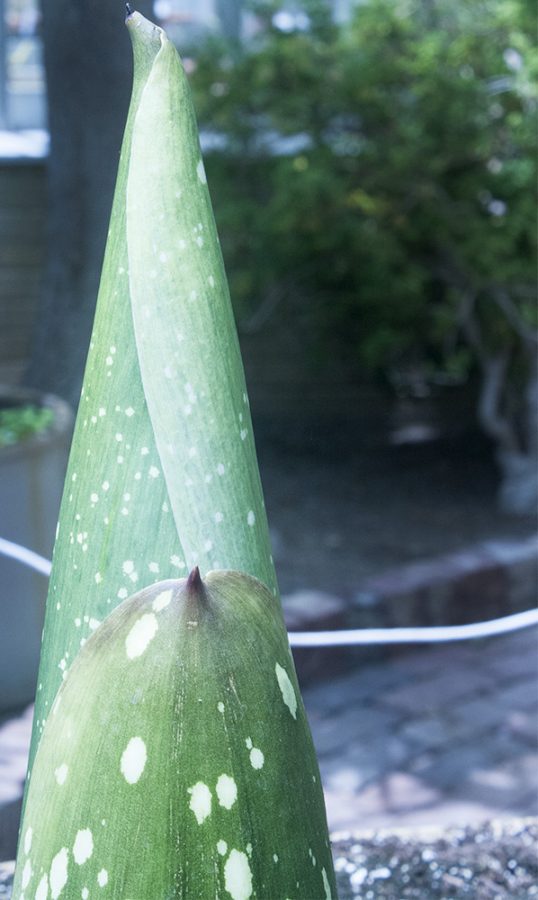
pixel 195 776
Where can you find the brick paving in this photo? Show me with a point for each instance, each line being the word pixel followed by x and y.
pixel 442 735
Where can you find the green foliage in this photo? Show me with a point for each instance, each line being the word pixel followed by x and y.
pixel 23 422
pixel 389 165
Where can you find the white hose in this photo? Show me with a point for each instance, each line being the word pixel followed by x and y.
pixel 435 634
pixel 352 636
pixel 27 557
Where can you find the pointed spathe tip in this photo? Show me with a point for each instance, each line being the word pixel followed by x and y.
pixel 128 11
pixel 194 581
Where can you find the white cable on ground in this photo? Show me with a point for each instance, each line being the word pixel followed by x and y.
pixel 435 634
pixel 25 556
pixel 352 636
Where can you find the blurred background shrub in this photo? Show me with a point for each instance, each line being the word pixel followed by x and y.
pixel 377 177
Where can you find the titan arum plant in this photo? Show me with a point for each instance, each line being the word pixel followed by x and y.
pixel 171 756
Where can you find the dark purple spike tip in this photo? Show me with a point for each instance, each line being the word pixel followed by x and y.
pixel 129 10
pixel 194 581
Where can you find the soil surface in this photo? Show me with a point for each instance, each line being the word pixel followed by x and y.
pixel 496 861
pixel 339 514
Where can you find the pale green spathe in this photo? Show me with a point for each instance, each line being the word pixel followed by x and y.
pixel 163 472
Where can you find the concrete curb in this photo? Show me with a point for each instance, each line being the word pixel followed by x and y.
pixel 484 581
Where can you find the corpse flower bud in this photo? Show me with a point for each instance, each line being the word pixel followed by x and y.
pixel 177 760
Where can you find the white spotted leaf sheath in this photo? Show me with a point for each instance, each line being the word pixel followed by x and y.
pixel 163 473
pixel 182 729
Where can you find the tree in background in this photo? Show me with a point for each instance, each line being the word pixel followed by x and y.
pixel 379 176
pixel 88 69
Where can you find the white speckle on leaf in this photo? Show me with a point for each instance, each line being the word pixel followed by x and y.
pixel 220 706
pixel 94 623
pixel 85 893
pixel 58 873
pixel 128 567
pixel 83 846
pixel 275 857
pixel 109 360
pixel 211 281
pixel 26 874
pixel 60 773
pixel 237 876
pixel 141 635
pixel 102 878
pixel 154 472
pixel 133 760
pixel 102 412
pixel 144 451
pixel 129 412
pixel 226 791
pixel 222 847
pixel 42 889
pixel 208 546
pixel 200 802
pixel 248 742
pixel 286 689
pixel 220 469
pixel 200 241
pixel 162 600
pixel 28 840
pixel 200 171
pixel 122 593
pixel 218 517
pixel 244 433
pixel 326 885
pixel 98 578
pixel 153 567
pixel 177 562
pixel 257 758
pixel 251 518
pixel 105 485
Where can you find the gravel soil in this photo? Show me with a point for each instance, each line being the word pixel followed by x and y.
pixel 496 861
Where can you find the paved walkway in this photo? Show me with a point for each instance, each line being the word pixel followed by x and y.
pixel 443 735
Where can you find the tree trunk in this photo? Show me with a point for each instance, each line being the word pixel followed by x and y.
pixel 88 64
pixel 518 492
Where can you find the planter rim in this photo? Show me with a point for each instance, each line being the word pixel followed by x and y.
pixel 62 424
